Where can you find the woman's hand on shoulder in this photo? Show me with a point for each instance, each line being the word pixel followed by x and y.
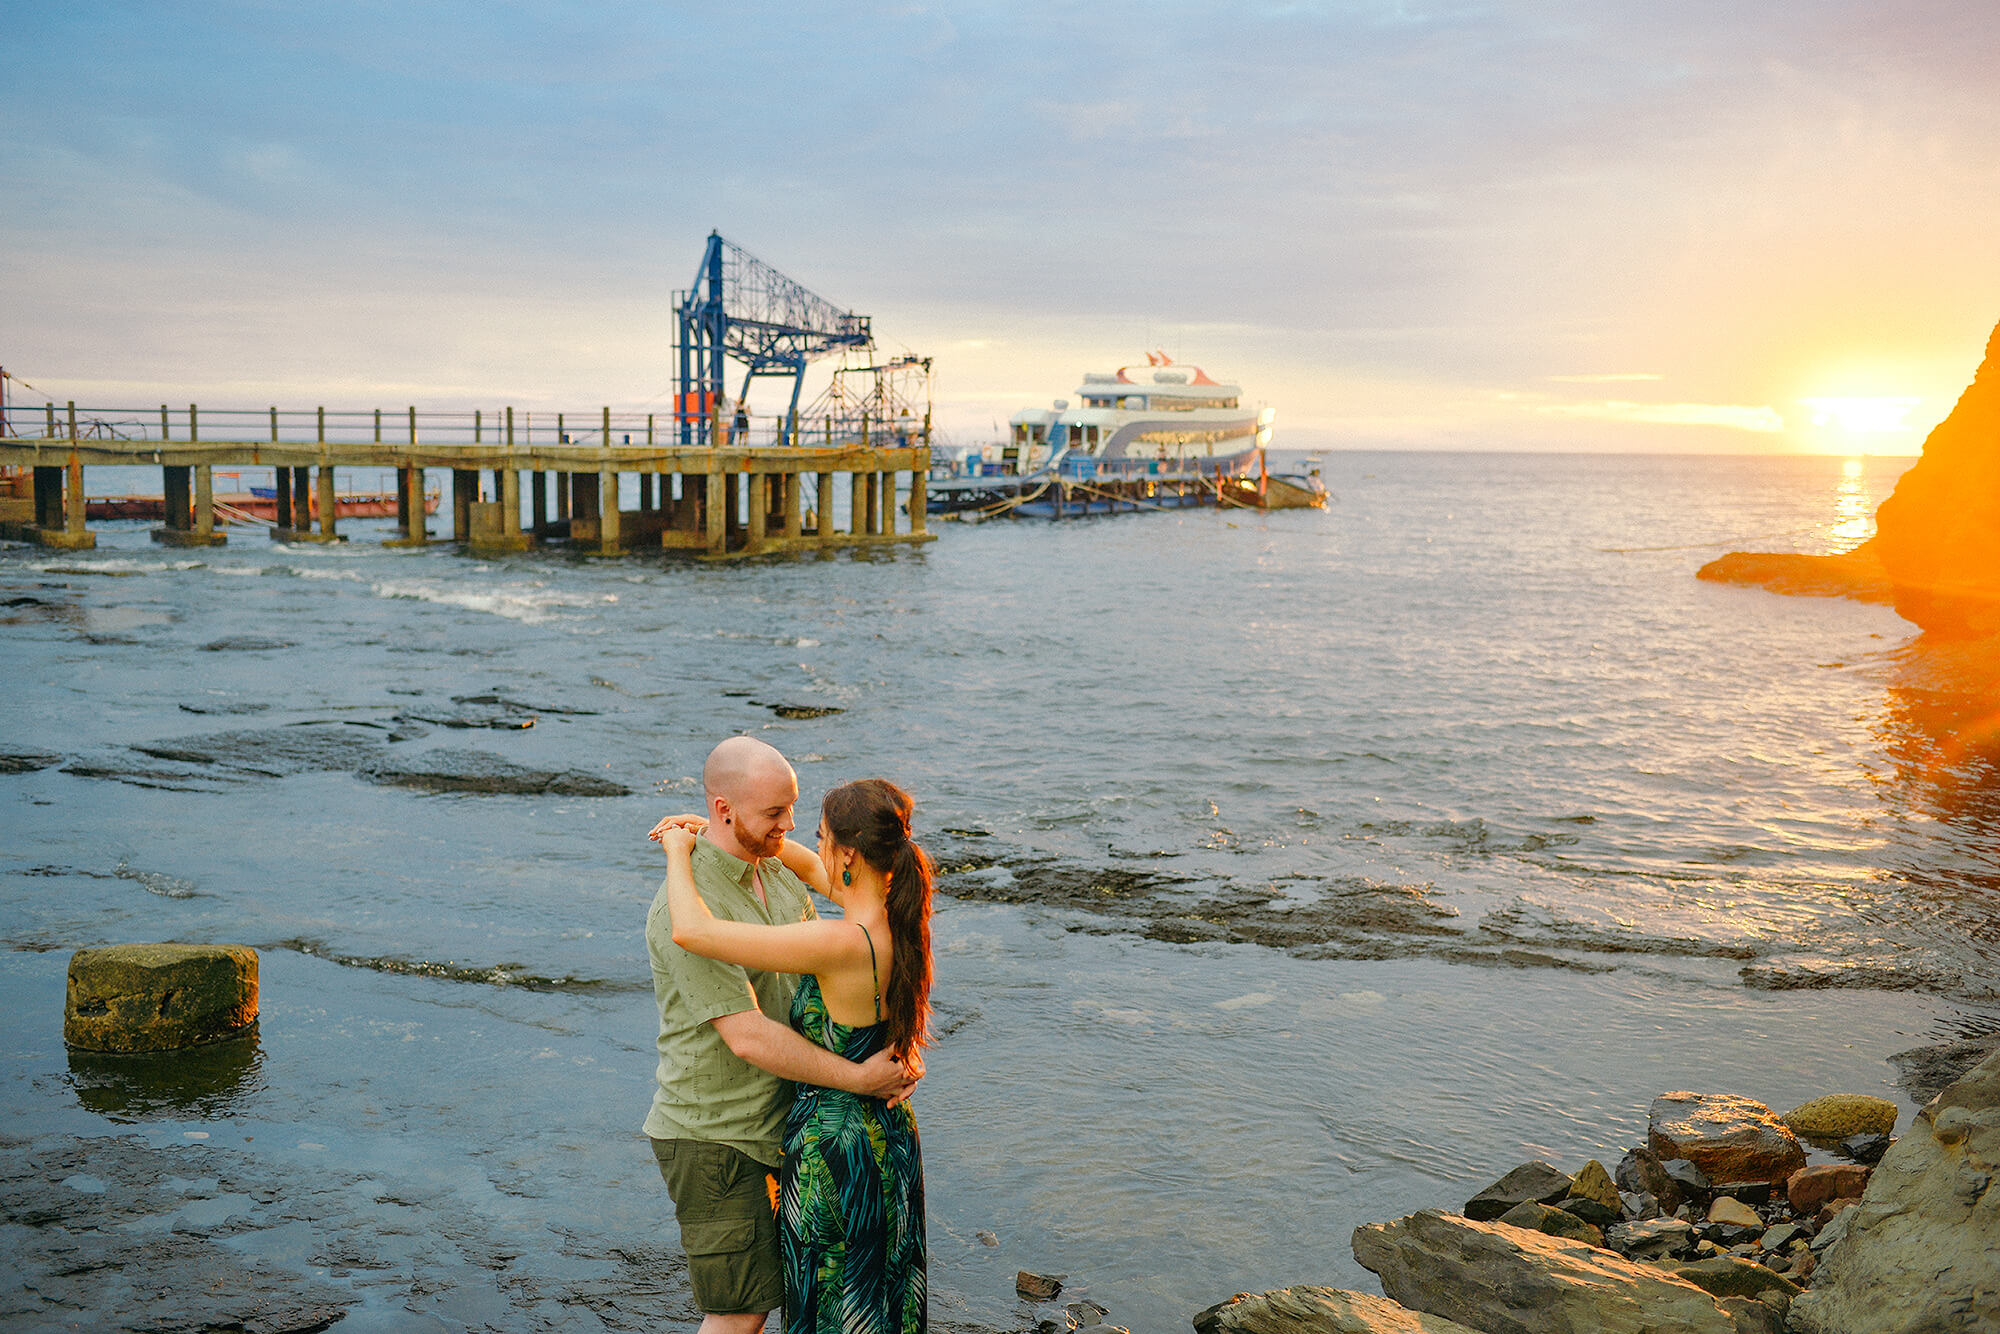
pixel 692 825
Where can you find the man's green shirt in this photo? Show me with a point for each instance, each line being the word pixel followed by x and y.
pixel 704 1090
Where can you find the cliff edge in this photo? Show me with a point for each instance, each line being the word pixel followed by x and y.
pixel 1936 550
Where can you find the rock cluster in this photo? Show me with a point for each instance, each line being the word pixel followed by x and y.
pixel 1713 1226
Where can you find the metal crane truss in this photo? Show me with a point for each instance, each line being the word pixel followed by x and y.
pixel 741 307
pixel 886 404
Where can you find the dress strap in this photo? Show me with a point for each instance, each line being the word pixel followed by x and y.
pixel 871 972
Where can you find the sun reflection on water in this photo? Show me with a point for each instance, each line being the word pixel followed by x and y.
pixel 1854 517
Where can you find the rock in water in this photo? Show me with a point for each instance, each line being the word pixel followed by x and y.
pixel 136 998
pixel 1592 1197
pixel 1730 1139
pixel 1938 530
pixel 1535 1182
pixel 1503 1280
pixel 1309 1310
pixel 1919 1252
pixel 1835 1117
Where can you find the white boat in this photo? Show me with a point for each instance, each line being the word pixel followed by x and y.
pixel 1153 436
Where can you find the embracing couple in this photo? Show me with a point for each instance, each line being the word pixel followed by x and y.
pixel 789 1044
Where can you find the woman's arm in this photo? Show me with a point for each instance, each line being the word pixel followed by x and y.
pixel 804 863
pixel 814 946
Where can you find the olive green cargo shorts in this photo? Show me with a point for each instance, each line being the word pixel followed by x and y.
pixel 727 1204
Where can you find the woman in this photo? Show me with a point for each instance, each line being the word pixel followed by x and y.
pixel 851 1208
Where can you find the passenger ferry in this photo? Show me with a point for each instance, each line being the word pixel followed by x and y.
pixel 1158 436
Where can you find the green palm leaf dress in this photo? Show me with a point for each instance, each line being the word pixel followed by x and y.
pixel 851 1208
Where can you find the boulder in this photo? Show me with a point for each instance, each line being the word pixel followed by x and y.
pixel 1731 1212
pixel 1534 1181
pixel 139 998
pixel 1657 1239
pixel 1864 1148
pixel 1833 1118
pixel 1857 574
pixel 1730 1139
pixel 1552 1221
pixel 1811 1187
pixel 1728 1276
pixel 1310 1310
pixel 1503 1280
pixel 1641 1173
pixel 1937 532
pixel 1918 1252
pixel 1592 1197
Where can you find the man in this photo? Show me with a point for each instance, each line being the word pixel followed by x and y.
pixel 727 1051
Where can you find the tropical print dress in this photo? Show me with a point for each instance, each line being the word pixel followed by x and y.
pixel 851 1209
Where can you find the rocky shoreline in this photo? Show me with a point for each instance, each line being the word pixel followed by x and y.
pixel 1718 1224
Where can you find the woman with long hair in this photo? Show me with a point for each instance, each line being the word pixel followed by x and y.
pixel 851 1203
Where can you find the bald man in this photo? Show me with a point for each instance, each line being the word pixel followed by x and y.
pixel 728 1055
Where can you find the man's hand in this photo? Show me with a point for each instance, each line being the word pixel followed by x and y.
pixel 694 824
pixel 885 1077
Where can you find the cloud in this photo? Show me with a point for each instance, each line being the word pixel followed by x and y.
pixel 1761 420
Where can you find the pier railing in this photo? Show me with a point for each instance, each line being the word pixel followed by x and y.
pixel 408 425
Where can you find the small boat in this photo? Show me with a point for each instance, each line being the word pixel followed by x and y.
pixel 1158 436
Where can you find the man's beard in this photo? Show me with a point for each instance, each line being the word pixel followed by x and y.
pixel 767 846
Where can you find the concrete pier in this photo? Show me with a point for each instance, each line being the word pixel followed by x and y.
pixel 744 498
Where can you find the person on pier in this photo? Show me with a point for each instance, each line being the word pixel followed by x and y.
pixel 727 1056
pixel 851 1211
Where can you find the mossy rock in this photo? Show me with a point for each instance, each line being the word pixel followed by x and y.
pixel 138 998
pixel 1838 1115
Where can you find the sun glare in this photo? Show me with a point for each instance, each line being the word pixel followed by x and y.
pixel 1863 415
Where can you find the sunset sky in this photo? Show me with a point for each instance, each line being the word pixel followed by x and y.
pixel 1703 225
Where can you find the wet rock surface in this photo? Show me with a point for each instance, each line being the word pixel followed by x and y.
pixel 116 1234
pixel 472 771
pixel 1926 1072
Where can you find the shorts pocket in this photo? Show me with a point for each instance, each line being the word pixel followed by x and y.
pixel 719 1236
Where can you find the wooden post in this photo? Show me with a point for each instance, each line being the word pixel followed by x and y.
pixel 607 504
pixel 824 497
pixel 645 492
pixel 329 500
pixel 510 499
pixel 540 486
pixel 302 499
pixel 562 496
pixel 204 504
pixel 73 499
pixel 329 503
pixel 872 482
pixel 732 504
pixel 920 494
pixel 793 483
pixel 281 495
pixel 857 506
pixel 717 533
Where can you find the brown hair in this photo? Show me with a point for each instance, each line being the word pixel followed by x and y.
pixel 872 816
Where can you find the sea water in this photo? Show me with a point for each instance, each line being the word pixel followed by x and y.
pixel 1301 869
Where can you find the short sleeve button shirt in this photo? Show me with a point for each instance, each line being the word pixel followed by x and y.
pixel 704 1090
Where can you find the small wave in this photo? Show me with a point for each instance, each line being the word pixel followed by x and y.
pixel 450 970
pixel 528 605
pixel 156 882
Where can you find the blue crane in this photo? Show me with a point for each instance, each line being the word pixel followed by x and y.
pixel 741 307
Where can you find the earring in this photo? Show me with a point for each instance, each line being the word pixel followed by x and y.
pixel 847 877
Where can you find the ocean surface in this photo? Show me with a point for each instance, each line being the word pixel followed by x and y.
pixel 1302 869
